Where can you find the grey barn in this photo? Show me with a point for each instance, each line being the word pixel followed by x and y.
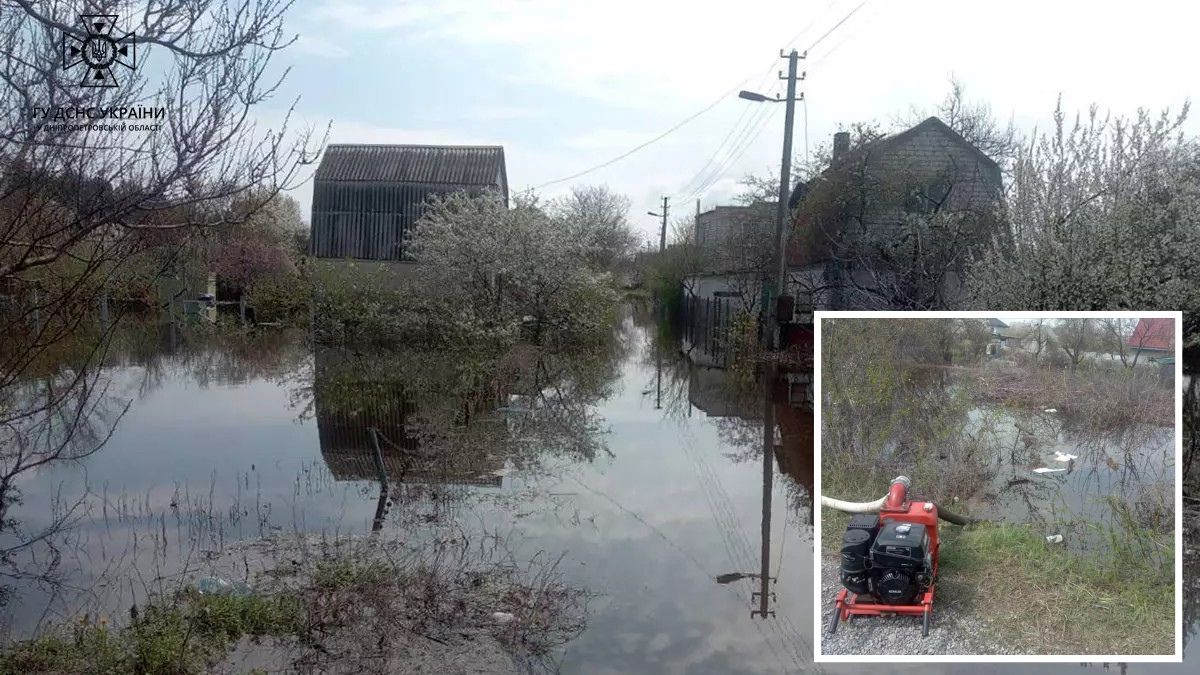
pixel 367 196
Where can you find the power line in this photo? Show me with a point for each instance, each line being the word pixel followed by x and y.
pixel 657 138
pixel 734 155
pixel 806 157
pixel 757 120
pixel 697 177
pixel 737 151
pixel 837 25
pixel 691 117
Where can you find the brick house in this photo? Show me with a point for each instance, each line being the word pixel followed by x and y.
pixel 848 219
pixel 735 238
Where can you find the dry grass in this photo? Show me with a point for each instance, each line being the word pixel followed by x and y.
pixel 347 605
pixel 1104 398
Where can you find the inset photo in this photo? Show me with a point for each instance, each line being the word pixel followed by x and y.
pixel 998 486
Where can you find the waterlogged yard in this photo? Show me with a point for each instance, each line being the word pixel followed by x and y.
pixel 1071 470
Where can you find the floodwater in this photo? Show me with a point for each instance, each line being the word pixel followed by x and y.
pixel 641 472
pixel 1132 466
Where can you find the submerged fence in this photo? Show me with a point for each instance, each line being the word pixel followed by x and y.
pixel 705 325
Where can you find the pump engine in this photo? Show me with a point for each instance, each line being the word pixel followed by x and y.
pixel 889 559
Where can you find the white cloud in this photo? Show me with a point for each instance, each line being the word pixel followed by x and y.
pixel 314 44
pixel 662 61
pixel 496 113
pixel 627 52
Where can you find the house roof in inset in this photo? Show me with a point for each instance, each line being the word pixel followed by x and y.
pixel 1153 334
pixel 996 323
pixel 436 164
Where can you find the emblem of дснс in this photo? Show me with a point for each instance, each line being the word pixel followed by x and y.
pixel 99 49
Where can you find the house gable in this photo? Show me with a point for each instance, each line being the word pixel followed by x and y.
pixel 1153 334
pixel 869 192
pixel 366 197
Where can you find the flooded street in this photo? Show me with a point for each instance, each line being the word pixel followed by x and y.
pixel 647 494
pixel 206 457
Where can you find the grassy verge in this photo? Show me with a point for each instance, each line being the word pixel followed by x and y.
pixel 182 634
pixel 354 608
pixel 1045 600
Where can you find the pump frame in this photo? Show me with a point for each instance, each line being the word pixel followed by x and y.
pixel 897 508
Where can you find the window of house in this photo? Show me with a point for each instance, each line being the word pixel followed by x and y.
pixel 927 198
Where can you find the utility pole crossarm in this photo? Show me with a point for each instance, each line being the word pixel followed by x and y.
pixel 662 232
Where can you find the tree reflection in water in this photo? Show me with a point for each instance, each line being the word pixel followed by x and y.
pixel 430 427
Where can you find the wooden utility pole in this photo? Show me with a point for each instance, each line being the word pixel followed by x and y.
pixel 771 337
pixel 785 193
pixel 662 232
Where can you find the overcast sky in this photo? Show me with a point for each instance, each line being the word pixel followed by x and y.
pixel 565 85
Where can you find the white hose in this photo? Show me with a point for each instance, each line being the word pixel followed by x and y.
pixel 873 507
pixel 853 507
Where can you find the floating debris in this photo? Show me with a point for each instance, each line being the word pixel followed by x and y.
pixel 1047 470
pixel 1064 457
pixel 1051 410
pixel 221 586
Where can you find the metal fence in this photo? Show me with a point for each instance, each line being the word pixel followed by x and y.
pixel 706 330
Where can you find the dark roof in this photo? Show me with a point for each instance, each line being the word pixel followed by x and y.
pixel 439 164
pixel 934 122
pixel 1153 334
pixel 798 194
pixel 996 323
pixel 887 142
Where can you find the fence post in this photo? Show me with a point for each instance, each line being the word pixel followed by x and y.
pixel 725 329
pixel 707 322
pixel 718 321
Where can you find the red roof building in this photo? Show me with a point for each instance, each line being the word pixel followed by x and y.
pixel 1153 335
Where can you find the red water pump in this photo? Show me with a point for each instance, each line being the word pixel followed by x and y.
pixel 889 560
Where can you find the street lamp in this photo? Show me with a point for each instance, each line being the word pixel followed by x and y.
pixel 771 332
pixel 754 96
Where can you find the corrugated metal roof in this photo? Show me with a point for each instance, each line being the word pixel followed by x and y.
pixel 440 164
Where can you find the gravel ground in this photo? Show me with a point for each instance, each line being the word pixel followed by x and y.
pixel 951 630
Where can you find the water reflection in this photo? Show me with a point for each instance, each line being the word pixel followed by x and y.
pixel 644 470
pixel 736 403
